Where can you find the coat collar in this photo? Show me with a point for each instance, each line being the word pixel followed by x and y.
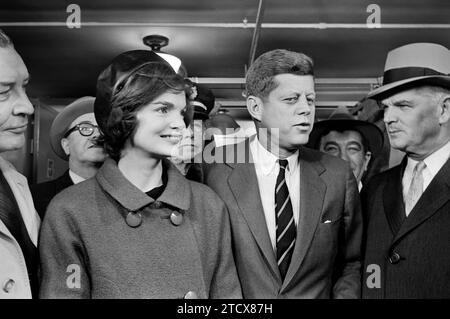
pixel 177 192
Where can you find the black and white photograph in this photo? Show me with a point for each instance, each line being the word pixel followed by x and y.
pixel 240 152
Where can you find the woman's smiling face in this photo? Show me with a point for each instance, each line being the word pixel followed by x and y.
pixel 160 125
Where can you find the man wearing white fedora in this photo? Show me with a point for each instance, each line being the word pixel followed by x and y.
pixel 407 208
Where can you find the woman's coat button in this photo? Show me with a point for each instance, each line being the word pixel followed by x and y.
pixel 176 218
pixel 134 219
pixel 8 285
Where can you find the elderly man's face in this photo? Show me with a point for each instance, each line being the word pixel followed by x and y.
pixel 15 107
pixel 349 146
pixel 83 149
pixel 412 120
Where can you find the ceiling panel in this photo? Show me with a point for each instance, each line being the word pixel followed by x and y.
pixel 65 62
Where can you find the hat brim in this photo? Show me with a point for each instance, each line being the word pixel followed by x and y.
pixel 63 120
pixel 395 87
pixel 372 134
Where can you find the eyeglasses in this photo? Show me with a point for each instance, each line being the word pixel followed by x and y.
pixel 85 129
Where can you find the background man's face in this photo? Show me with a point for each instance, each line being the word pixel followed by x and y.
pixel 14 103
pixel 349 146
pixel 81 148
pixel 290 108
pixel 192 142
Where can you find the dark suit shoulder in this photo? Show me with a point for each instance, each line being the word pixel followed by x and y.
pixel 324 161
pixel 315 155
pixel 50 187
pixel 381 178
pixel 77 194
pixel 43 193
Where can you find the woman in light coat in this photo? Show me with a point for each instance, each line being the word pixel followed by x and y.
pixel 138 229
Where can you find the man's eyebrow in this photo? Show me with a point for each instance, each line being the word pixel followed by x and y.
pixel 355 142
pixel 401 102
pixel 7 83
pixel 331 142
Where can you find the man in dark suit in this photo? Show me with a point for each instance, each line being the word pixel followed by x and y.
pixel 73 137
pixel 295 212
pixel 407 208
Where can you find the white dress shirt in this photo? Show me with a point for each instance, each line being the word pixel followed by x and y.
pixel 433 162
pixel 267 168
pixel 75 177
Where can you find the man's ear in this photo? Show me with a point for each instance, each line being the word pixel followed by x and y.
pixel 445 110
pixel 65 146
pixel 367 158
pixel 255 107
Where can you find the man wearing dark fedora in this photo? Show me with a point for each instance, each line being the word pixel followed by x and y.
pixel 354 141
pixel 407 208
pixel 73 137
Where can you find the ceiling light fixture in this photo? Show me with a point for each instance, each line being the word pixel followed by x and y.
pixel 156 42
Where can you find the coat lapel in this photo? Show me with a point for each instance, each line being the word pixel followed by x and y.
pixel 244 185
pixel 19 186
pixel 434 197
pixel 312 192
pixel 394 207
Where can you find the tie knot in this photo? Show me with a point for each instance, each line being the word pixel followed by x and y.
pixel 420 167
pixel 283 163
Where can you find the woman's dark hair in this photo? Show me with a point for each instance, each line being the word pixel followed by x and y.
pixel 138 89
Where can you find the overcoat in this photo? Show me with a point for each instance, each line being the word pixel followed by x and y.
pixel 14 279
pixel 406 257
pixel 104 238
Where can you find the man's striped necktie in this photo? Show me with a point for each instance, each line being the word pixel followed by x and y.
pixel 286 230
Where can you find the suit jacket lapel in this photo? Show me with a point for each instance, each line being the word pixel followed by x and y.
pixel 434 197
pixel 312 192
pixel 394 208
pixel 19 186
pixel 244 185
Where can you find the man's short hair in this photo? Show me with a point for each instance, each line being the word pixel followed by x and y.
pixel 437 92
pixel 260 76
pixel 5 41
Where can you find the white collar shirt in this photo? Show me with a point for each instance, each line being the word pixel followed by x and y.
pixel 433 162
pixel 75 177
pixel 267 168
